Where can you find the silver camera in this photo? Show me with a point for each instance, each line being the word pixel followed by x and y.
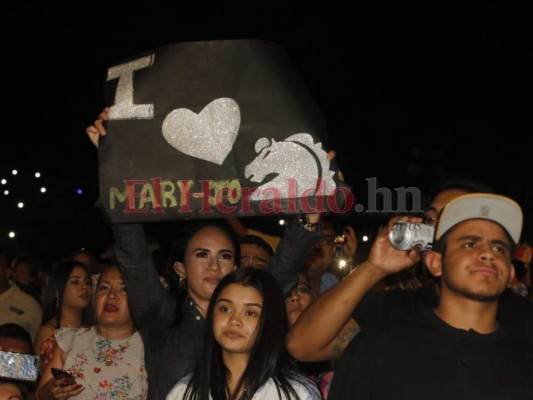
pixel 407 235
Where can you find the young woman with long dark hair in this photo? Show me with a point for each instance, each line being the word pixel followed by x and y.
pixel 66 304
pixel 171 321
pixel 243 354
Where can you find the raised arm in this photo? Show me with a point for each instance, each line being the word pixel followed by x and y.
pixel 322 323
pixel 296 242
pixel 150 303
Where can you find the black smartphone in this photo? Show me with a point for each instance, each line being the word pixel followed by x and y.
pixel 61 373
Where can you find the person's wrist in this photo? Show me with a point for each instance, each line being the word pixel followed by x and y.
pixel 373 270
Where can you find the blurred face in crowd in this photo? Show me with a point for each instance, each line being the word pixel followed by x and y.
pixel 437 204
pixel 82 258
pixel 254 256
pixel 78 290
pixel 320 257
pixel 209 256
pixel 299 299
pixel 22 273
pixel 236 318
pixel 111 300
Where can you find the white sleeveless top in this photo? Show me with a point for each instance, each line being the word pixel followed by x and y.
pixel 268 391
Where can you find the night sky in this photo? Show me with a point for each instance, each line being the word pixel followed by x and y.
pixel 422 90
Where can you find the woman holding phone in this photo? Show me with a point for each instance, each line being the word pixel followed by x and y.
pixel 103 361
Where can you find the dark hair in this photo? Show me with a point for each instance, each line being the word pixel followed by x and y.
pixel 177 254
pixel 519 269
pixel 55 289
pixel 463 183
pixel 110 264
pixel 94 267
pixel 257 241
pixel 15 331
pixel 268 358
pixel 21 386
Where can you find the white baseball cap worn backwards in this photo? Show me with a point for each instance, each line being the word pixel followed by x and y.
pixel 491 207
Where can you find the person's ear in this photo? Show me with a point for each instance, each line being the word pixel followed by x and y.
pixel 179 269
pixel 433 261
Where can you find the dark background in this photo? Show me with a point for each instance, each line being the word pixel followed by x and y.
pixel 412 91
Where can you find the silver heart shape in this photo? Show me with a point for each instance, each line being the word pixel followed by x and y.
pixel 208 135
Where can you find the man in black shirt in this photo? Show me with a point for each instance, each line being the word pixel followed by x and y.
pixel 353 298
pixel 459 349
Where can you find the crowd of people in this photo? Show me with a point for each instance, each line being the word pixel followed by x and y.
pixel 239 317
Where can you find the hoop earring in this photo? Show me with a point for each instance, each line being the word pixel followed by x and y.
pixel 183 283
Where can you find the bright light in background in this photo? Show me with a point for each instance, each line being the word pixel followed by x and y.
pixel 342 263
pixel 282 222
pixel 43 190
pixel 365 238
pixel 14 172
pixel 6 192
pixel 3 181
pixel 37 174
pixel 20 204
pixel 79 191
pixel 11 234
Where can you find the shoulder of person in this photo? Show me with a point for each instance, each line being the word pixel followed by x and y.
pixel 29 300
pixel 67 337
pixel 47 329
pixel 178 390
pixel 305 388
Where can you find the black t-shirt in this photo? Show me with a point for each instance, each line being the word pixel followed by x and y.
pixel 380 308
pixel 425 358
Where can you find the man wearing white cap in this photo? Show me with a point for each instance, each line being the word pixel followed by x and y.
pixel 459 349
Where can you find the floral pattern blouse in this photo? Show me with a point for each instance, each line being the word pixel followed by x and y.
pixel 108 369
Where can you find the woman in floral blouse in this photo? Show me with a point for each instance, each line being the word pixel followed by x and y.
pixel 106 360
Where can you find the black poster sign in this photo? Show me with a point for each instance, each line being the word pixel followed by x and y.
pixel 212 129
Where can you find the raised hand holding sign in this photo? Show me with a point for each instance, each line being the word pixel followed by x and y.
pixel 211 129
